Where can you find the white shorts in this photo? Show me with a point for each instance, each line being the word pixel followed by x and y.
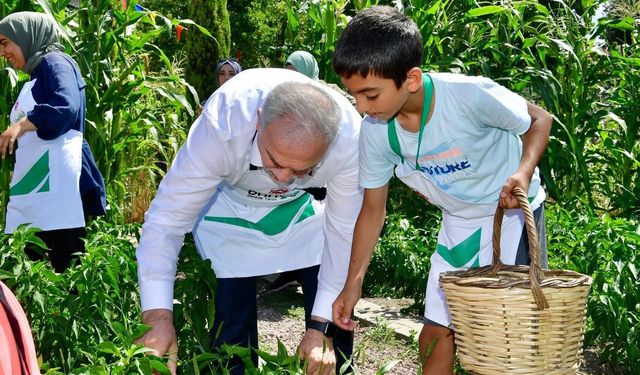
pixel 463 244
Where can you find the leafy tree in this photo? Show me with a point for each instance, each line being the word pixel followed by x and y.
pixel 170 8
pixel 258 32
pixel 627 11
pixel 203 52
pixel 623 8
pixel 177 9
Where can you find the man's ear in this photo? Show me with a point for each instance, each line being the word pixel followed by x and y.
pixel 414 79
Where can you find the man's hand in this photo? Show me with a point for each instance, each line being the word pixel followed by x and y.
pixel 162 337
pixel 507 199
pixel 318 350
pixel 13 132
pixel 343 306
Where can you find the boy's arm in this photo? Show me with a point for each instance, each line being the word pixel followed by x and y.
pixel 534 143
pixel 365 236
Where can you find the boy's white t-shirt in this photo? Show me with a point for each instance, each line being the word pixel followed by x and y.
pixel 470 146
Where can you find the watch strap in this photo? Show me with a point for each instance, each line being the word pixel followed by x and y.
pixel 327 328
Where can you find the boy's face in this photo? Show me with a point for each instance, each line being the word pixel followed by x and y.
pixel 377 97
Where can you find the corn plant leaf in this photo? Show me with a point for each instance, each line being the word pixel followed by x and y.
pixel 486 10
pixel 190 22
pixel 387 367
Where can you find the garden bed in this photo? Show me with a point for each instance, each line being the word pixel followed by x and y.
pixel 281 318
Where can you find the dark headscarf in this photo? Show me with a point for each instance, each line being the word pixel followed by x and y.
pixel 233 63
pixel 35 34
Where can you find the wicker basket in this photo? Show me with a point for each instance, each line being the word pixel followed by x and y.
pixel 517 319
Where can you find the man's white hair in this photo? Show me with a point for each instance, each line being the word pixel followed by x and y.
pixel 311 111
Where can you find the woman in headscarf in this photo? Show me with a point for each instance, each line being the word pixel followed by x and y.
pixel 226 69
pixel 55 182
pixel 303 62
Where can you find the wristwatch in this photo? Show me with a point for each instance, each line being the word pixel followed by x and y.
pixel 327 328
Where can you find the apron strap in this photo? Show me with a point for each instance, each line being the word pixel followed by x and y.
pixel 391 124
pixel 393 140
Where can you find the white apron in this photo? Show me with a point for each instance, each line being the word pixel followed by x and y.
pixel 44 190
pixel 463 242
pixel 254 227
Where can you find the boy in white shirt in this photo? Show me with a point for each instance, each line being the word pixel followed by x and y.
pixel 455 140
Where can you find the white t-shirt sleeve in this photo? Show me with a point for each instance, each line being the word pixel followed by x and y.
pixel 188 185
pixel 343 202
pixel 498 107
pixel 377 160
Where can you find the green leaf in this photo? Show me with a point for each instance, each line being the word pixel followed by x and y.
pixel 108 347
pixel 39 299
pixel 160 366
pixel 387 367
pixel 486 10
pixel 627 24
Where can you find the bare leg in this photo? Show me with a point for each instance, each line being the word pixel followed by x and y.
pixel 441 359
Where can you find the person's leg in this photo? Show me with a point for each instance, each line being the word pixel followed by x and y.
pixel 62 245
pixel 522 255
pixel 541 226
pixel 437 348
pixel 236 318
pixel 35 253
pixel 284 279
pixel 343 340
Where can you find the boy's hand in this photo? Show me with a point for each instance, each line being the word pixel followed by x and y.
pixel 507 199
pixel 343 307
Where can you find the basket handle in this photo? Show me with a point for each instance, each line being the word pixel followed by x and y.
pixel 535 270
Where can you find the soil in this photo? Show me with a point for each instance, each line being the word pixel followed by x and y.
pixel 281 317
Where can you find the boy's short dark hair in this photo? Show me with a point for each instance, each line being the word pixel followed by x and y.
pixel 381 41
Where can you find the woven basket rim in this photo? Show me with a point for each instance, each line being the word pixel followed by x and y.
pixel 494 276
pixel 513 277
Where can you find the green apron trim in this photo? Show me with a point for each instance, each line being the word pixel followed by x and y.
pixel 426 105
pixel 45 186
pixel 35 177
pixel 463 252
pixel 307 213
pixel 276 221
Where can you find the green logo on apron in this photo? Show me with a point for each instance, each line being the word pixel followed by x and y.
pixel 37 176
pixel 463 252
pixel 276 221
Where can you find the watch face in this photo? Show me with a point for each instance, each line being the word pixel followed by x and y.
pixel 331 330
pixel 328 329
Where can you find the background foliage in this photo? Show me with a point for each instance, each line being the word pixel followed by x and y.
pixel 258 32
pixel 203 51
pixel 585 71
